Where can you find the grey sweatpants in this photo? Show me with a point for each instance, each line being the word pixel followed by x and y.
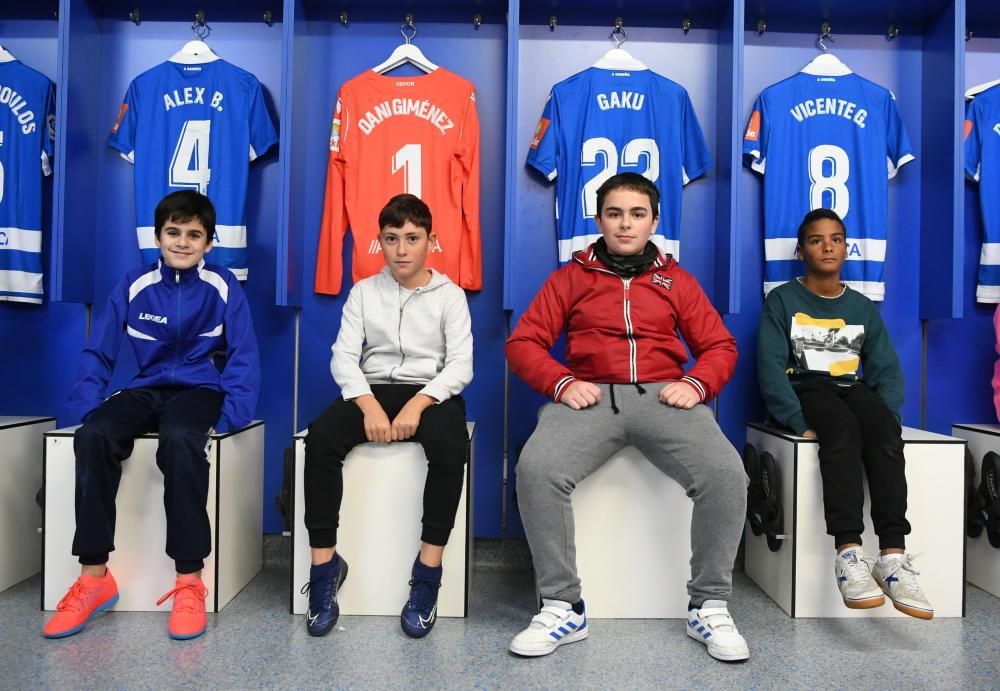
pixel 568 445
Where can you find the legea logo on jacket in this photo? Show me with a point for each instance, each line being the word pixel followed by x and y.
pixel 144 316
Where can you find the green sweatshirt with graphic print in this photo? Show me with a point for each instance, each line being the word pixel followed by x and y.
pixel 804 336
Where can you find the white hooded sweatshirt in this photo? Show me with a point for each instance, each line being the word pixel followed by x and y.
pixel 389 335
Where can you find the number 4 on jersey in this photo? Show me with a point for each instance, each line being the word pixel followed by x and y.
pixel 189 165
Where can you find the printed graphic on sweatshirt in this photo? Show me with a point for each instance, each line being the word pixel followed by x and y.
pixel 826 345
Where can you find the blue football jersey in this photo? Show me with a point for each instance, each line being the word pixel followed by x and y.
pixel 824 141
pixel 982 164
pixel 195 125
pixel 602 122
pixel 27 131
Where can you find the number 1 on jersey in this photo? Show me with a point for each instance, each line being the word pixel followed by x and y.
pixel 407 159
pixel 189 166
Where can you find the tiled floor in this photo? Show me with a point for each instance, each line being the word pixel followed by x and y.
pixel 254 642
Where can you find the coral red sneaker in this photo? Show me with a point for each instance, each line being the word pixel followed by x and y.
pixel 87 597
pixel 187 620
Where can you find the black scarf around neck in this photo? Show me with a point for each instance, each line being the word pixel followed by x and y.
pixel 626 266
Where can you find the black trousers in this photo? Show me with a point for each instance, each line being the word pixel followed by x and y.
pixel 182 416
pixel 858 435
pixel 340 428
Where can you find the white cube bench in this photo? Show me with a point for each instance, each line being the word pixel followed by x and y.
pixel 20 480
pixel 982 560
pixel 141 567
pixel 379 531
pixel 799 576
pixel 633 540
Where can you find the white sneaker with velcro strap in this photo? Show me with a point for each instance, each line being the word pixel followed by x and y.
pixel 712 625
pixel 553 626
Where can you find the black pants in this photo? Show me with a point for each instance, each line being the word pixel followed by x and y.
pixel 182 417
pixel 857 434
pixel 340 428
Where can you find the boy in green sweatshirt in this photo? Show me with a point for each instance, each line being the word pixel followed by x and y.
pixel 817 336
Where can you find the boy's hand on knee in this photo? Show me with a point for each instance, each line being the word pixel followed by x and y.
pixel 377 426
pixel 680 394
pixel 810 434
pixel 581 394
pixel 406 423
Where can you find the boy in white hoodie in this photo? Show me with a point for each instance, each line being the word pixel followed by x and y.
pixel 402 357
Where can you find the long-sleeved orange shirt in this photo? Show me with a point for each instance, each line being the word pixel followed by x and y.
pixel 395 134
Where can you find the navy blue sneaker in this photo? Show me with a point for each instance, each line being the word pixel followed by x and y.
pixel 324 582
pixel 420 611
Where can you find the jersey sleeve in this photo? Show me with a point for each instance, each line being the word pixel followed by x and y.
pixel 49 132
pixel 543 154
pixel 329 257
pixel 470 262
pixel 755 138
pixel 898 152
pixel 973 142
pixel 262 133
pixel 696 158
pixel 123 133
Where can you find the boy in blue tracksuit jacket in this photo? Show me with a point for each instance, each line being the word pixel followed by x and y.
pixel 188 323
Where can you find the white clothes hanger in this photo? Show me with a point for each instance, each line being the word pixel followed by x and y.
pixel 973 91
pixel 618 58
pixel 406 53
pixel 6 55
pixel 826 64
pixel 197 51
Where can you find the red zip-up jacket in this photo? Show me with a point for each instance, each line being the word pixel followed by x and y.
pixel 621 331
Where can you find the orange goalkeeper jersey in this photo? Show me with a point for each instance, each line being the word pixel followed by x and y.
pixel 416 134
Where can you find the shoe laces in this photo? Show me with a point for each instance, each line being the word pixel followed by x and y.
pixel 188 597
pixel 903 570
pixel 859 568
pixel 423 593
pixel 321 590
pixel 74 599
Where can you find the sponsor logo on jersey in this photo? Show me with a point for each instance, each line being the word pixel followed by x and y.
pixel 335 128
pixel 191 96
pixel 628 100
pixel 662 281
pixel 753 129
pixel 145 316
pixel 121 116
pixel 4 240
pixel 419 108
pixel 830 106
pixel 543 125
pixel 621 74
pixel 968 128
pixel 398 83
pixel 17 105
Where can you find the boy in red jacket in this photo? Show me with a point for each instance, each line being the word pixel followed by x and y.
pixel 625 308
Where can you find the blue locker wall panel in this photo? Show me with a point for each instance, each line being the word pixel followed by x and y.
pixel 960 352
pixel 105 215
pixel 334 54
pixel 38 342
pixel 768 59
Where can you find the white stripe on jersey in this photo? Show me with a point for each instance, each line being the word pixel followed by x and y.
pixel 143 282
pixel 777 249
pixel 988 294
pixel 20 282
pixel 20 239
pixel 138 334
pixel 893 169
pixel 217 282
pixel 990 254
pixel 217 331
